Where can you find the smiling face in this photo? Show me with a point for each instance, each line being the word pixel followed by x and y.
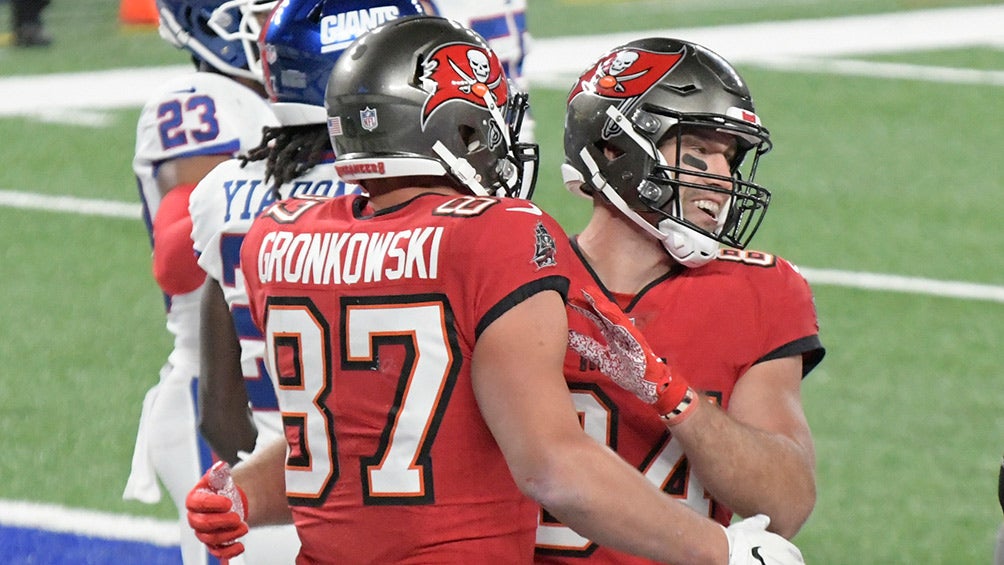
pixel 703 150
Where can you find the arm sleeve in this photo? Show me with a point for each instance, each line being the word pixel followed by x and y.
pixel 175 266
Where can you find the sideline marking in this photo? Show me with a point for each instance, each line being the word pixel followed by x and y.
pixel 875 69
pixel 90 523
pixel 897 283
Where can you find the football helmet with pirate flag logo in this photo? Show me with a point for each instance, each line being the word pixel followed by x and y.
pixel 628 104
pixel 221 33
pixel 303 39
pixel 425 96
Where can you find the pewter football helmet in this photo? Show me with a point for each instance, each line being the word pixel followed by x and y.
pixel 425 96
pixel 627 104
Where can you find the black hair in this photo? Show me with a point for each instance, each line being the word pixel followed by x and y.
pixel 289 151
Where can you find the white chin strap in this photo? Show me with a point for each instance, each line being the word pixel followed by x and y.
pixel 462 169
pixel 688 247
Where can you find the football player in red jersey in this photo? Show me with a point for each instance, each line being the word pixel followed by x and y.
pixel 663 136
pixel 417 335
pixel 293 158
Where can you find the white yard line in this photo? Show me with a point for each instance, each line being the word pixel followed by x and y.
pixel 54 518
pixel 556 62
pixel 101 90
pixel 896 283
pixel 70 204
pixel 875 69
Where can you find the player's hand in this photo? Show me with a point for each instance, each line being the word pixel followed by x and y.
pixel 217 508
pixel 751 544
pixel 627 359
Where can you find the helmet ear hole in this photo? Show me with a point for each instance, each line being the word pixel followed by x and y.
pixel 656 195
pixel 204 28
pixel 609 150
pixel 470 138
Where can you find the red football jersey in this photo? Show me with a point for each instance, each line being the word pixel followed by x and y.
pixel 711 324
pixel 370 321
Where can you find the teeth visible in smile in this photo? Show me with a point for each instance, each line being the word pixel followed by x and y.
pixel 709 206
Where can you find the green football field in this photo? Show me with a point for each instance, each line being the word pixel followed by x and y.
pixel 885 181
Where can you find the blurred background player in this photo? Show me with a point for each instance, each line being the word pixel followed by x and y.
pixel 193 123
pixel 502 23
pixel 663 136
pixel 26 20
pixel 418 333
pixel 295 158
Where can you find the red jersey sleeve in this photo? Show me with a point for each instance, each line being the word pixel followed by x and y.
pixel 511 253
pixel 790 323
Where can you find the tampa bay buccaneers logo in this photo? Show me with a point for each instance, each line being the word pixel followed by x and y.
pixel 626 73
pixel 464 72
pixel 545 251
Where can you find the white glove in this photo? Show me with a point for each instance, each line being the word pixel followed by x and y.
pixel 751 544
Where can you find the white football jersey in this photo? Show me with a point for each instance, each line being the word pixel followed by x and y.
pixel 200 113
pixel 223 206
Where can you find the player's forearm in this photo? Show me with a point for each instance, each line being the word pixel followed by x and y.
pixel 228 427
pixel 224 414
pixel 262 477
pixel 601 497
pixel 224 417
pixel 749 470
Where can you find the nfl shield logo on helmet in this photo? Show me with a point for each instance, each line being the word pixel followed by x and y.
pixel 368 118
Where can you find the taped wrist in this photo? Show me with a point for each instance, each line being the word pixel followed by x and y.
pixel 682 410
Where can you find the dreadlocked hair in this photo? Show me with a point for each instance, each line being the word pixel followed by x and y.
pixel 289 152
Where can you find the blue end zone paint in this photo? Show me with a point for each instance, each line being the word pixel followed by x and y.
pixel 25 546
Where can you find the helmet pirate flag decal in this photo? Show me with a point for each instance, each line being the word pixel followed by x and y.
pixel 461 71
pixel 545 251
pixel 625 73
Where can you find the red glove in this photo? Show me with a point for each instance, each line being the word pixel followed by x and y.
pixel 628 360
pixel 217 508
